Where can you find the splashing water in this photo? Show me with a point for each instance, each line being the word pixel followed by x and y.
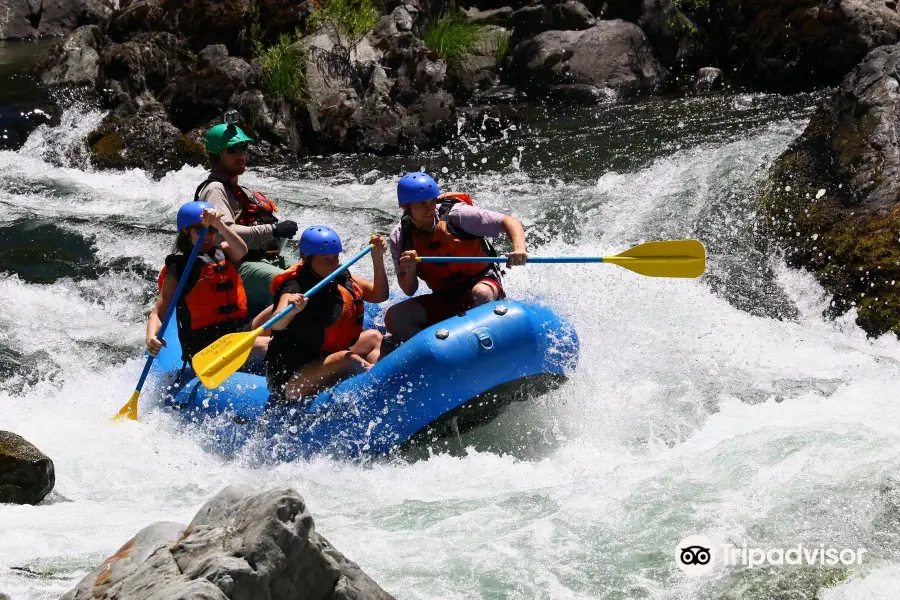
pixel 694 410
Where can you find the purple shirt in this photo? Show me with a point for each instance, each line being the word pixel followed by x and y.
pixel 471 219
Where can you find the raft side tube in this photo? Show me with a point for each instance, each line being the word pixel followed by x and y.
pixel 449 378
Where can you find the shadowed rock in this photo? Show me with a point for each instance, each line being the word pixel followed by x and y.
pixel 795 45
pixel 677 42
pixel 708 79
pixel 35 18
pixel 26 473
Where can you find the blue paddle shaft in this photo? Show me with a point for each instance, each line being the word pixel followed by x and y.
pixel 503 259
pixel 174 303
pixel 287 309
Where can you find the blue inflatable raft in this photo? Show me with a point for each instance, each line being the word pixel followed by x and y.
pixel 449 378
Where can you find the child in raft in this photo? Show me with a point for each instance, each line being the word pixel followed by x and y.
pixel 213 302
pixel 322 341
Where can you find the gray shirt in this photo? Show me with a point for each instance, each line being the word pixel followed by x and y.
pixel 257 237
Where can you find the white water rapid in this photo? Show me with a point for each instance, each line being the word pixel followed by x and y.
pixel 689 413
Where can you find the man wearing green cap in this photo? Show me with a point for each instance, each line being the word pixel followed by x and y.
pixel 249 214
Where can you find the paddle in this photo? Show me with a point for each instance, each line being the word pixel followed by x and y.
pixel 215 363
pixel 677 258
pixel 130 409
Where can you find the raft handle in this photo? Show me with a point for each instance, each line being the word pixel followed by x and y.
pixel 484 339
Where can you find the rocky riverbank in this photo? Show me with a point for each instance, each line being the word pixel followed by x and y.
pixel 392 76
pixel 833 199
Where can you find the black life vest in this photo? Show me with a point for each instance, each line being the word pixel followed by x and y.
pixel 332 320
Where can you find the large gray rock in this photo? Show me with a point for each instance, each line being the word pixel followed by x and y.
pixel 21 19
pixel 240 545
pixel 76 60
pixel 403 18
pixel 677 42
pixel 799 45
pixel 833 198
pixel 389 96
pixel 330 79
pixel 613 55
pixel 211 55
pixel 528 21
pixel 333 88
pixel 270 119
pixel 26 473
pixel 570 15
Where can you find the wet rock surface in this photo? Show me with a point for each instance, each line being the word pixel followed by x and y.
pixel 26 474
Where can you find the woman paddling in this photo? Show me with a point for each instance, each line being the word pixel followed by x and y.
pixel 213 302
pixel 323 341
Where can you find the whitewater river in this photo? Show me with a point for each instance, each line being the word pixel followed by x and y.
pixel 725 406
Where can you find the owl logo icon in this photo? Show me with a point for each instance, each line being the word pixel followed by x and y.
pixel 695 555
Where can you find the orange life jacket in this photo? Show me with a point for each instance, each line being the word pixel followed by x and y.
pixel 213 302
pixel 447 240
pixel 332 320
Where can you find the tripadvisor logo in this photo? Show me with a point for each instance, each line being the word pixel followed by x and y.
pixel 695 555
pixel 698 555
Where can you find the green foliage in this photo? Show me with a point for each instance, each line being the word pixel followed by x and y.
pixel 691 5
pixel 352 19
pixel 502 47
pixel 282 64
pixel 453 38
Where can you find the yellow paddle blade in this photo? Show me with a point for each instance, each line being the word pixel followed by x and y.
pixel 129 411
pixel 676 258
pixel 215 363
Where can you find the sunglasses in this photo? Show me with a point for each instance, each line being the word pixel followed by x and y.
pixel 238 148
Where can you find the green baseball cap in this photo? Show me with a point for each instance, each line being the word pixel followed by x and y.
pixel 225 135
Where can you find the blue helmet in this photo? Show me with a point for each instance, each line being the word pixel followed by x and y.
pixel 320 239
pixel 191 213
pixel 417 187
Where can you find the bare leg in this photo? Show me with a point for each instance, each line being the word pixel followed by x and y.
pixel 483 293
pixel 260 347
pixel 368 345
pixel 319 374
pixel 405 319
